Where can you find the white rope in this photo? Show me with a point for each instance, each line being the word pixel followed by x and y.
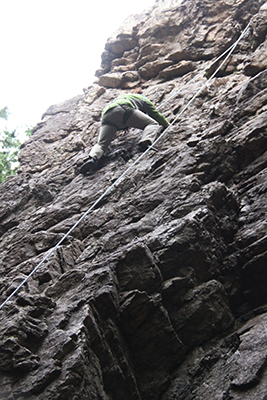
pixel 231 49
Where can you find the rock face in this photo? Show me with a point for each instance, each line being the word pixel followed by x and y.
pixel 160 291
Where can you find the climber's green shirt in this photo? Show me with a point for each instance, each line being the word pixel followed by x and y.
pixel 141 103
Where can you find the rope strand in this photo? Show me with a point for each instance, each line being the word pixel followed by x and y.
pixel 230 49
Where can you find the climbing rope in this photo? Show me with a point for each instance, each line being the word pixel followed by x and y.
pixel 230 50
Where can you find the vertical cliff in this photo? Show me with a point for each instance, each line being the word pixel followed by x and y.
pixel 160 292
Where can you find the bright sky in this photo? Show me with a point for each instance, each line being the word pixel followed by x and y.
pixel 50 50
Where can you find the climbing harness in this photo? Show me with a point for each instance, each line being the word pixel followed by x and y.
pixel 230 50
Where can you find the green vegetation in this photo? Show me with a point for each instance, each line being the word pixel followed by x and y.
pixel 4 113
pixel 9 149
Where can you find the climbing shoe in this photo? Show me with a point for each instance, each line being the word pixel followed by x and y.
pixel 142 146
pixel 88 167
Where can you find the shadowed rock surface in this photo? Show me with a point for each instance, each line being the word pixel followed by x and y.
pixel 160 292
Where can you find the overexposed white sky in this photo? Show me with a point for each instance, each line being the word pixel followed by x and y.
pixel 50 50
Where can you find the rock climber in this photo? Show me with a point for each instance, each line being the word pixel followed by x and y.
pixel 131 110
